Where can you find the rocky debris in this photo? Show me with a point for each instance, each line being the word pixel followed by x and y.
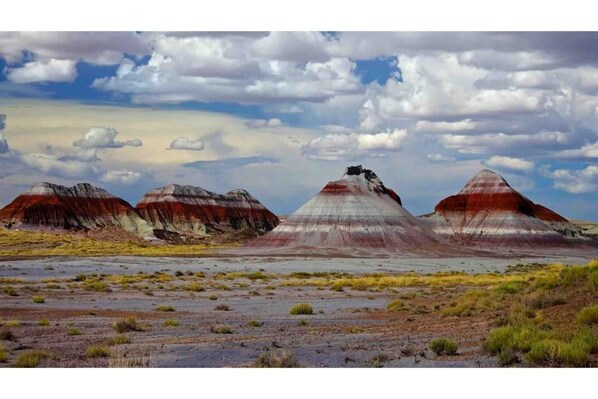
pixel 488 211
pixel 189 210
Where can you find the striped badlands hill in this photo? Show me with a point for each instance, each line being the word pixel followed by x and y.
pixel 81 207
pixel 193 210
pixel 487 211
pixel 354 213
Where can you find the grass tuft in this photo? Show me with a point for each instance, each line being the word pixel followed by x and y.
pixel 170 323
pixel 119 339
pixel 588 315
pixel 38 299
pixel 126 325
pixel 276 359
pixel 221 329
pixel 255 323
pixel 301 308
pixel 97 351
pixel 443 346
pixel 396 305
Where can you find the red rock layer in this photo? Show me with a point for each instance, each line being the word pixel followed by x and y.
pixel 488 211
pixel 195 210
pixel 82 207
pixel 354 213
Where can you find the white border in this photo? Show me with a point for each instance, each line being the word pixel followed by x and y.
pixel 254 15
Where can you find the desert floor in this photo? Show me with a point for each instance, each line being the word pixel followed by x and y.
pixel 229 311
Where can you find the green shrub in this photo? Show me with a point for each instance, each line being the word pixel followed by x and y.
pixel 43 323
pixel 301 308
pixel 38 299
pixel 276 359
pixel 73 331
pixel 512 287
pixel 165 308
pixel 13 323
pixel 98 286
pixel 459 310
pixel 3 354
pixel 588 315
pixel 119 339
pixel 213 297
pixel 80 277
pixel 543 299
pixel 573 275
pixel 170 323
pixel 126 325
pixel 31 358
pixel 97 351
pixel 507 357
pixel 396 305
pixel 555 353
pixel 255 323
pixel 500 339
pixel 443 346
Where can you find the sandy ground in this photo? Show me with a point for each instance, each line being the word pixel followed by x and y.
pixel 348 329
pixel 69 267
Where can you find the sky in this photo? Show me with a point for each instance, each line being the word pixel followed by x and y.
pixel 282 113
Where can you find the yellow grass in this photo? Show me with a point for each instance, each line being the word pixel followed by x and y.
pixel 27 243
pixel 370 282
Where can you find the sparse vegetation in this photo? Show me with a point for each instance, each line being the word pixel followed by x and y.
pixel 301 308
pixel 170 323
pixel 213 297
pixel 396 305
pixel 194 287
pixel 255 323
pixel 119 339
pixel 588 315
pixel 38 299
pixel 28 243
pixel 3 354
pixel 97 351
pixel 221 329
pixel 303 323
pixel 32 358
pixel 13 323
pixel 126 325
pixel 43 323
pixel 276 359
pixel 73 331
pixel 223 307
pixel 443 346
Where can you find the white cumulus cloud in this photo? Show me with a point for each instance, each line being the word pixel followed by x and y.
pixel 185 143
pixel 120 176
pixel 51 70
pixel 516 164
pixel 258 123
pixel 104 137
pixel 573 181
pixel 350 146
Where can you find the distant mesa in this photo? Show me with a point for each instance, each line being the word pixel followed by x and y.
pixel 489 212
pixel 81 207
pixel 172 213
pixel 193 210
pixel 356 213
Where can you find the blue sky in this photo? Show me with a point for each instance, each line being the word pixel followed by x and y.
pixel 282 113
